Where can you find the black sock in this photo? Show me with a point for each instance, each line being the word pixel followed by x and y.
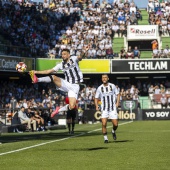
pixel 73 124
pixel 69 126
pixel 114 129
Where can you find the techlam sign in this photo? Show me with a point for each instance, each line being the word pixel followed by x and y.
pixel 148 65
pixel 156 114
pixel 142 32
pixel 140 66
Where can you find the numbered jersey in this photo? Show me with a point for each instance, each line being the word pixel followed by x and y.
pixel 107 95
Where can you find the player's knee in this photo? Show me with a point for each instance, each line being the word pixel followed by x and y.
pixel 54 78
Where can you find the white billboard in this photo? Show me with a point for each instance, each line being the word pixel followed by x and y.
pixel 142 32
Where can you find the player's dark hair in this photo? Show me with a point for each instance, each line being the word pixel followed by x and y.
pixel 105 75
pixel 65 49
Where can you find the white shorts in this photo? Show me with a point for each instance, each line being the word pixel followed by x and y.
pixel 110 114
pixel 71 89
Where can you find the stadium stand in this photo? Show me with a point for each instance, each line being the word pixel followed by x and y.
pixel 87 25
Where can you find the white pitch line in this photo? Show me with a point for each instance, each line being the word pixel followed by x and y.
pixel 109 127
pixel 58 140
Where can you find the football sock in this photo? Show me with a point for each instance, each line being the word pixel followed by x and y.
pixel 64 108
pixel 105 137
pixel 69 126
pixel 44 79
pixel 114 129
pixel 73 124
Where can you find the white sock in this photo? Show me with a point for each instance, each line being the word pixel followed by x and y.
pixel 44 79
pixel 64 108
pixel 105 137
pixel 113 131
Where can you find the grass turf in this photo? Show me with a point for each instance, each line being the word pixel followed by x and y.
pixel 140 145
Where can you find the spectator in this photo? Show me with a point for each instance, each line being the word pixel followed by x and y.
pixel 150 6
pixel 39 120
pixel 157 90
pixel 115 29
pixel 163 101
pixel 162 88
pixel 136 52
pixel 129 53
pixel 109 53
pixel 167 52
pixel 122 53
pixel 161 54
pixel 122 94
pixel 154 44
pixel 155 53
pixel 151 92
pixel 133 19
pixel 133 9
pixel 25 120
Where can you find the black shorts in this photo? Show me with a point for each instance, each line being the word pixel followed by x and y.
pixel 71 114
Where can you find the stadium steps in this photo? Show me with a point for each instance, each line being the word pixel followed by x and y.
pixel 145 102
pixel 144 18
pixel 165 41
pixel 118 43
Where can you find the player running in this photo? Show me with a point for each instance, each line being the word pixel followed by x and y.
pixel 110 98
pixel 73 77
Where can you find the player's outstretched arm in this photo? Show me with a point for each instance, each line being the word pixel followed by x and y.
pixel 43 71
pixel 83 53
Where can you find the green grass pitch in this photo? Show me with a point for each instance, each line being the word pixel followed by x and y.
pixel 140 145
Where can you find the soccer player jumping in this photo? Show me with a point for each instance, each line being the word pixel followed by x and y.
pixel 73 77
pixel 110 98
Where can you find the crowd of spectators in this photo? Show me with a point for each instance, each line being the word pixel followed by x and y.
pixel 159 14
pixel 162 53
pixel 129 53
pixel 47 28
pixel 13 95
pixel 160 94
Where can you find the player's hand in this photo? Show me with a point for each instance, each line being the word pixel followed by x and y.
pixel 86 48
pixel 97 108
pixel 117 105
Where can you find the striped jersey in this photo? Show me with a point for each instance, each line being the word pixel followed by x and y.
pixel 107 95
pixel 71 70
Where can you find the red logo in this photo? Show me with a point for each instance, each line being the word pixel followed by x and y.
pixel 132 30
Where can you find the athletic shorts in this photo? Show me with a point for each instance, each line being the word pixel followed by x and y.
pixel 110 114
pixel 71 114
pixel 71 89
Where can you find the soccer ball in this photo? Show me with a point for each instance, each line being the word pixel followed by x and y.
pixel 21 67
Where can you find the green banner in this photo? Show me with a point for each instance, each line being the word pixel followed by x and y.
pixel 46 64
pixel 86 65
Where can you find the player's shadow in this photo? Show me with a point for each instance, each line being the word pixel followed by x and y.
pixel 84 149
pixel 17 137
pixel 121 141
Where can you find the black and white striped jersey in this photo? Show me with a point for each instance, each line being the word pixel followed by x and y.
pixel 107 95
pixel 71 70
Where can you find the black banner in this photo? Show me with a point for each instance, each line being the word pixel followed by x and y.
pixel 8 63
pixel 93 115
pixel 156 114
pixel 140 66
